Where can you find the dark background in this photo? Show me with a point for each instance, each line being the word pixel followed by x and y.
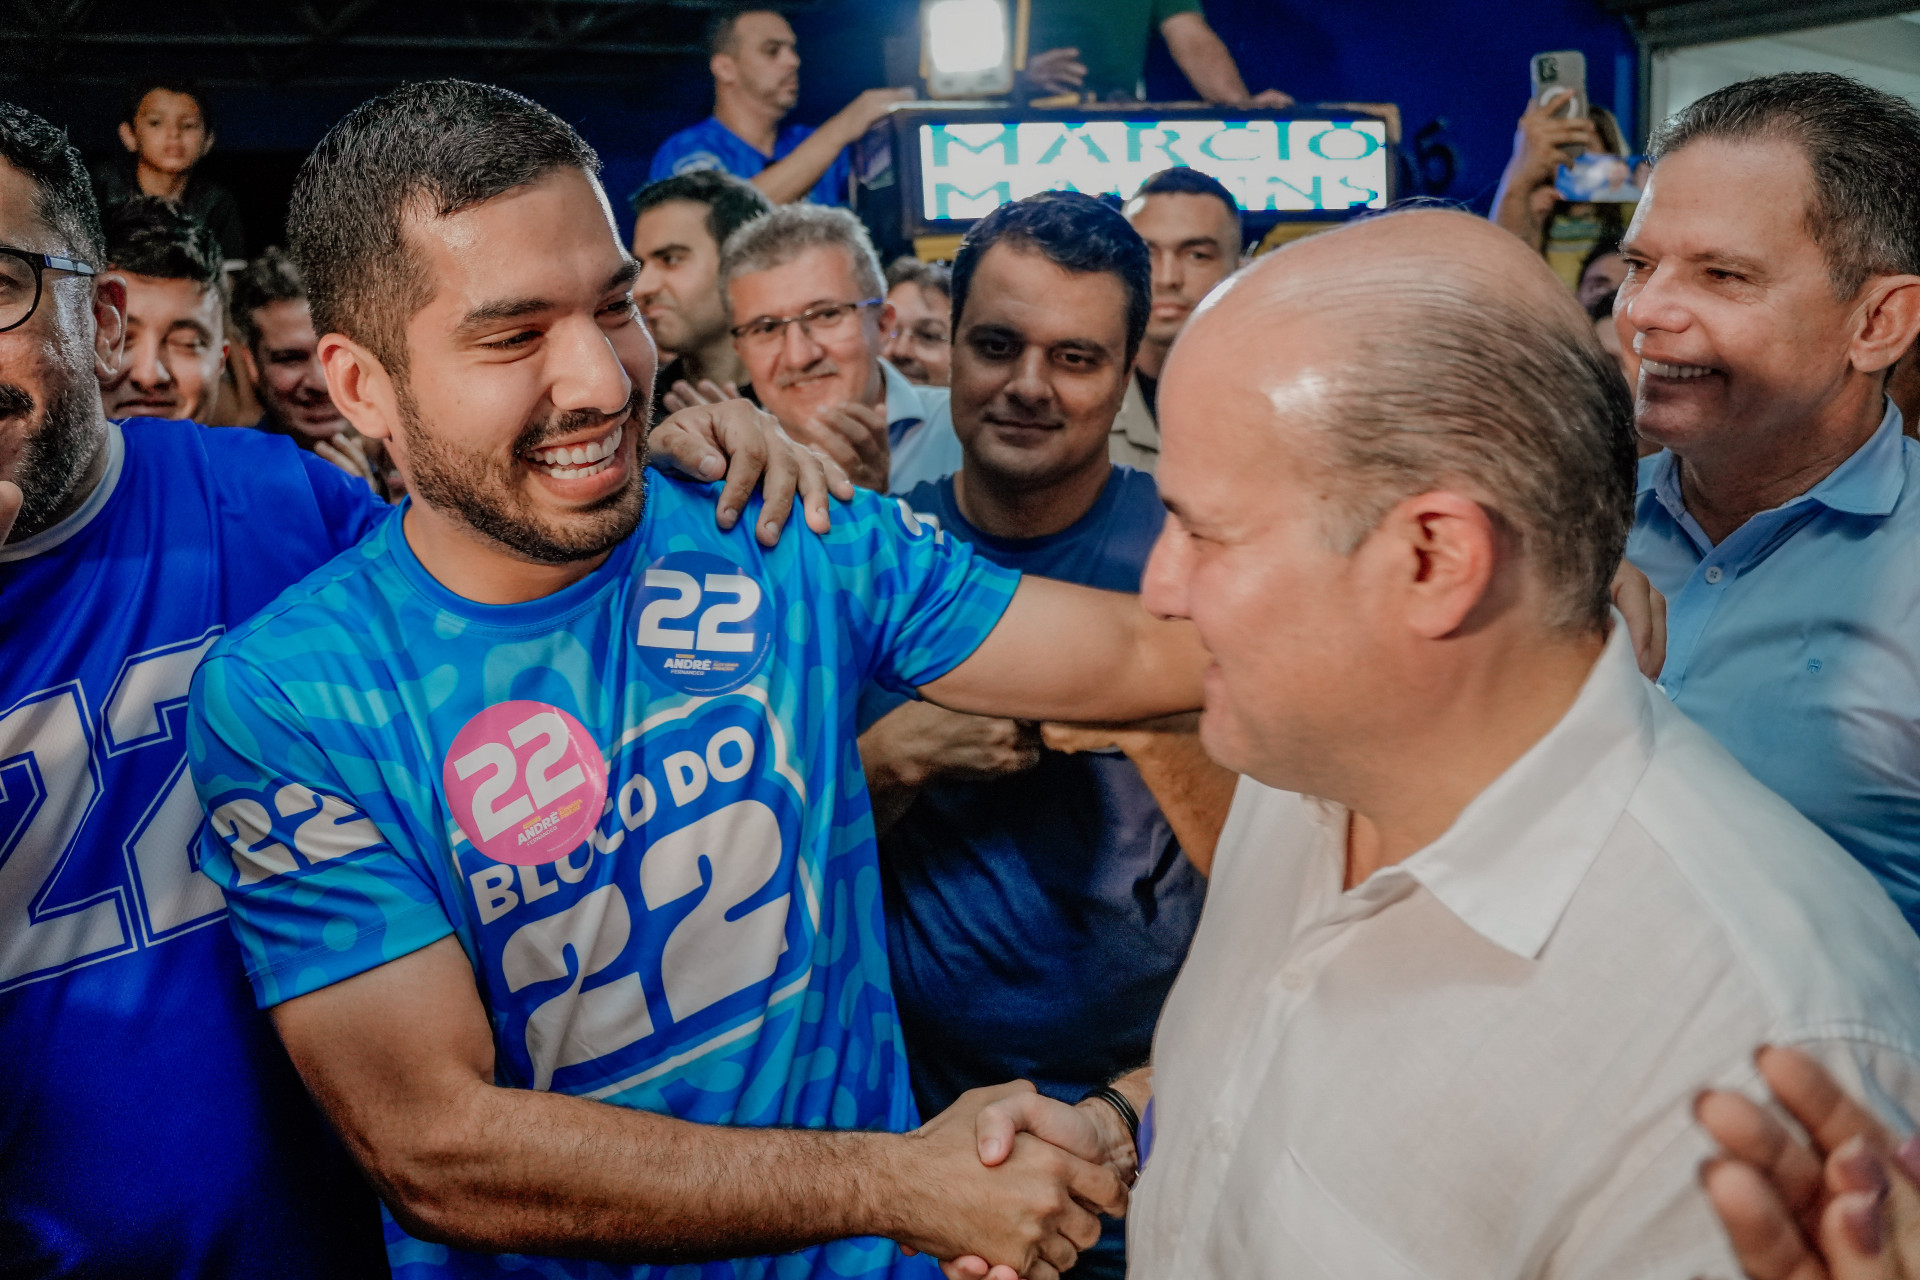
pixel 627 73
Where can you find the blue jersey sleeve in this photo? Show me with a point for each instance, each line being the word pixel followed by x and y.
pixel 919 602
pixel 347 505
pixel 836 183
pixel 315 891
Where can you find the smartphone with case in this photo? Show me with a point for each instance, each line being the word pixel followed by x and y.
pixel 1553 72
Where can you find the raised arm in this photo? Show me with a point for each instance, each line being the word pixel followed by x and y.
pixel 792 176
pixel 1064 652
pixel 401 1059
pixel 1208 64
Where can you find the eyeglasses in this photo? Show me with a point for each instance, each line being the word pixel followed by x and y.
pixel 830 319
pixel 21 273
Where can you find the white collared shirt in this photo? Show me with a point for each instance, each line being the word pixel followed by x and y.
pixel 1481 1061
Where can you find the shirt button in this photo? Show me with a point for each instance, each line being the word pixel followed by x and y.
pixel 1713 573
pixel 1293 979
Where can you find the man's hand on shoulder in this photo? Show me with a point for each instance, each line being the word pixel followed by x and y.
pixel 855 436
pixel 1646 613
pixel 738 440
pixel 685 395
pixel 1841 1204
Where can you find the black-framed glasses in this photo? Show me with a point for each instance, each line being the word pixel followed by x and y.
pixel 828 318
pixel 21 276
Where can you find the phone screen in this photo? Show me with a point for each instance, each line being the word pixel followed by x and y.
pixel 1599 178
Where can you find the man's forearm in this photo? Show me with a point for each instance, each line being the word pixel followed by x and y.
pixel 545 1173
pixel 1074 654
pixel 889 788
pixel 1513 211
pixel 792 176
pixel 1192 791
pixel 1204 58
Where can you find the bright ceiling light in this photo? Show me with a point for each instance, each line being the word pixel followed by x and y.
pixel 966 36
pixel 966 48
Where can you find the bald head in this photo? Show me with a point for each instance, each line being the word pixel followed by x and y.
pixel 1430 349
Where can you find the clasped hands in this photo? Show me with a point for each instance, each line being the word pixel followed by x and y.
pixel 1017 1180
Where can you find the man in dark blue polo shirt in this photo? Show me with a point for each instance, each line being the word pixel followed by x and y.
pixel 1040 900
pixel 755 61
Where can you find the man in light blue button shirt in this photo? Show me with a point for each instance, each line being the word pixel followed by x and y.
pixel 1774 279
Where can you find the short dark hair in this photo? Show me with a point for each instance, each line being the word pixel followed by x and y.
pixel 731 203
pixel 138 91
pixel 1074 231
pixel 720 26
pixel 928 275
pixel 271 277
pixel 1186 181
pixel 62 190
pixel 1862 145
pixel 435 147
pixel 153 237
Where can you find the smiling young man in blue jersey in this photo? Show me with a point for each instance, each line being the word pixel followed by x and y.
pixel 150 1125
pixel 540 813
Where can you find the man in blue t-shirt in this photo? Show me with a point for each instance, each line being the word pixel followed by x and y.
pixel 540 814
pixel 755 61
pixel 150 1125
pixel 1039 904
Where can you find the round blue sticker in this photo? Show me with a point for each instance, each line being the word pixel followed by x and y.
pixel 703 624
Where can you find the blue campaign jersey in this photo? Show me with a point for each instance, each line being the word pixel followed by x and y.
pixel 637 803
pixel 150 1124
pixel 711 145
pixel 1035 922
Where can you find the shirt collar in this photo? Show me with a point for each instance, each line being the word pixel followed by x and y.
pixel 905 405
pixel 49 538
pixel 1511 862
pixel 1868 483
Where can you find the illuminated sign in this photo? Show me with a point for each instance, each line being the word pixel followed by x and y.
pixel 1285 166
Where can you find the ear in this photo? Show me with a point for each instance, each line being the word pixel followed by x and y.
pixel 887 314
pixel 1440 554
pixel 206 145
pixel 1885 323
pixel 109 326
pixel 249 366
pixel 721 65
pixel 127 139
pixel 360 386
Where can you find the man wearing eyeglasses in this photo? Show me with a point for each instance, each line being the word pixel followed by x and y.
pixel 810 321
pixel 150 1125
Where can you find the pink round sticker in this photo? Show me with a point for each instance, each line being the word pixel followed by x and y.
pixel 526 782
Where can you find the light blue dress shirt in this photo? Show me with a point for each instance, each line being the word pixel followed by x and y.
pixel 1796 643
pixel 919 432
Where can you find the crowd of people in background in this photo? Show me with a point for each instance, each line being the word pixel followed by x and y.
pixel 1560 752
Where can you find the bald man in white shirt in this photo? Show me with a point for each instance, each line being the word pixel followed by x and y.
pixel 1488 911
